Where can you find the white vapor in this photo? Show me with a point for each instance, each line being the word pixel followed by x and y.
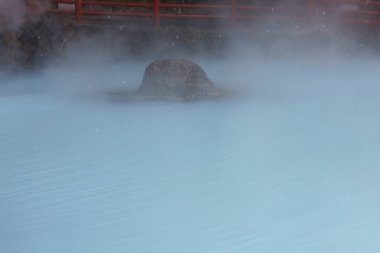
pixel 12 14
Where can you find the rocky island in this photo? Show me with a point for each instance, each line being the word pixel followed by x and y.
pixel 176 79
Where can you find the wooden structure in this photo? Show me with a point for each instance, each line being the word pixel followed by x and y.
pixel 233 11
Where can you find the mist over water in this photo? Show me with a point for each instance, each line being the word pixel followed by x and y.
pixel 289 163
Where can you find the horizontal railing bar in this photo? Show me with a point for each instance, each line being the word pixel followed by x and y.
pixel 113 13
pixel 63 1
pixel 128 4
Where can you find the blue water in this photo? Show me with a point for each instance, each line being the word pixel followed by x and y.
pixel 290 163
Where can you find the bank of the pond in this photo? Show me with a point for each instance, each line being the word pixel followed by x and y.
pixel 47 39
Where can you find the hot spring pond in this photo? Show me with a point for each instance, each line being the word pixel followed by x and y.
pixel 289 164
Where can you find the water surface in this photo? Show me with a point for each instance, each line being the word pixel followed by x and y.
pixel 290 164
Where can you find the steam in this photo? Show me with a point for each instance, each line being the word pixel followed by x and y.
pixel 290 159
pixel 12 14
pixel 91 60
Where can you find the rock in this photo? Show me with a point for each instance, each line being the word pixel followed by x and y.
pixel 176 79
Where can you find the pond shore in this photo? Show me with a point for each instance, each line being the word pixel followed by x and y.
pixel 45 40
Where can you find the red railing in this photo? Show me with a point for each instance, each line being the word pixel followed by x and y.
pixel 349 11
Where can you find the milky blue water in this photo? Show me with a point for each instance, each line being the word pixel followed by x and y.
pixel 289 164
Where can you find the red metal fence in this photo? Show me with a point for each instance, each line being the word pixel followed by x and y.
pixel 349 11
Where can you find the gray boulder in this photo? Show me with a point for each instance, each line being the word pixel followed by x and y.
pixel 176 79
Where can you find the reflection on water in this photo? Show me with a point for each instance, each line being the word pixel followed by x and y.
pixel 293 167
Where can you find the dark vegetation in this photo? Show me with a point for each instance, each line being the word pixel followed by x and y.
pixel 33 43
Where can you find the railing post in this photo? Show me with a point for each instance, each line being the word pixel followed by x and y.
pixel 312 10
pixel 312 6
pixel 78 10
pixel 156 8
pixel 233 12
